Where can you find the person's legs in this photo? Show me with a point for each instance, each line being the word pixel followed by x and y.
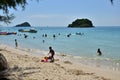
pixel 52 59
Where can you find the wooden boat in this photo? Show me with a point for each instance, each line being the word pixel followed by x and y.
pixel 7 33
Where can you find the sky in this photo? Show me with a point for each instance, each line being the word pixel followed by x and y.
pixel 64 12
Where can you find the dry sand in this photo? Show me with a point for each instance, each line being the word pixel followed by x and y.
pixel 29 67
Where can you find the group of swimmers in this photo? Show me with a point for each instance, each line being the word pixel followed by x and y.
pixel 52 51
pixel 54 35
pixel 50 48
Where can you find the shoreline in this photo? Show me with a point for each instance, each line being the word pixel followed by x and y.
pixel 30 67
pixel 96 61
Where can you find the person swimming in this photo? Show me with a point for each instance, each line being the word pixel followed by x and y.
pixel 99 52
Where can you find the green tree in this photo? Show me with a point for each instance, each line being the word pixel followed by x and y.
pixel 5 5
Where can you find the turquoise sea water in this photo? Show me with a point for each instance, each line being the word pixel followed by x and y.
pixel 85 46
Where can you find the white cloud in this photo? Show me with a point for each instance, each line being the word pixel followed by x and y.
pixel 48 16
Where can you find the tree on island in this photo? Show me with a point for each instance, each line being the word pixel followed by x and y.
pixel 25 24
pixel 81 23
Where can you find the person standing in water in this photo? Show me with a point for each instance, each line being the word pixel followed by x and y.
pixel 99 52
pixel 51 51
pixel 16 44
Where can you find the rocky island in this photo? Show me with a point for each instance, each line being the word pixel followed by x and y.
pixel 25 24
pixel 81 23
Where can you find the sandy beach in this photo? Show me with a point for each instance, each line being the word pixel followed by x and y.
pixel 26 66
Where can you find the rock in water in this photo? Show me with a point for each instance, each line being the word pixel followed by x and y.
pixel 25 24
pixel 81 23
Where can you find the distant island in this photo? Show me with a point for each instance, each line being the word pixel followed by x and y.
pixel 25 24
pixel 81 23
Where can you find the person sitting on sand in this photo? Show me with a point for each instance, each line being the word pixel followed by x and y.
pixel 99 52
pixel 52 53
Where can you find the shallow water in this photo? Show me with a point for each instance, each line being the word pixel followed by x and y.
pixel 83 46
